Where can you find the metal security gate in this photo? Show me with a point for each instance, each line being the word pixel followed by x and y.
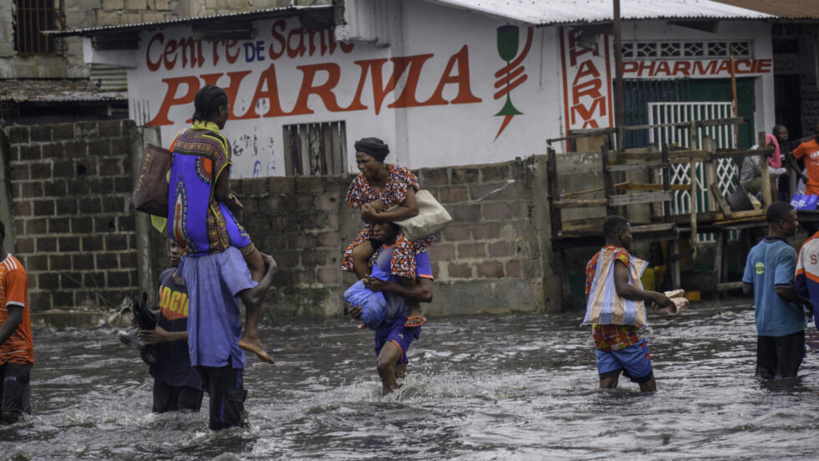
pixel 675 112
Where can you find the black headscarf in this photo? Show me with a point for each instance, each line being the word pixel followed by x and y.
pixel 373 147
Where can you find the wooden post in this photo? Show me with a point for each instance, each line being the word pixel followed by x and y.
pixel 692 144
pixel 765 176
pixel 666 184
pixel 608 182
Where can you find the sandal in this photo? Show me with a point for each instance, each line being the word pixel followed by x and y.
pixel 420 321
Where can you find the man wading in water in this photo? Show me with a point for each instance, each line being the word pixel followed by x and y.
pixel 616 309
pixel 393 338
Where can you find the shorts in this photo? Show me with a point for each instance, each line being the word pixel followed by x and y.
pixel 175 398
pixel 227 396
pixel 399 334
pixel 780 356
pixel 15 393
pixel 633 361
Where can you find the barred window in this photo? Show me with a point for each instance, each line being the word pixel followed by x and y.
pixel 686 49
pixel 31 18
pixel 313 149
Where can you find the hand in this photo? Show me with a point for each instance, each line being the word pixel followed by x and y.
pixel 158 335
pixel 379 205
pixel 355 311
pixel 376 284
pixel 269 262
pixel 235 198
pixel 660 300
pixel 368 212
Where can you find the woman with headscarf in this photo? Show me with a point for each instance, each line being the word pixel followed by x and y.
pixel 384 192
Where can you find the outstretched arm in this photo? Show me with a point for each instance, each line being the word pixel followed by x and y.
pixel 421 291
pixel 629 291
pixel 253 297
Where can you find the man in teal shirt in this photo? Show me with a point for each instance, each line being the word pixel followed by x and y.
pixel 780 315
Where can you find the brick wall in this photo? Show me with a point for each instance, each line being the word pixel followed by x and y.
pixel 70 188
pixel 490 259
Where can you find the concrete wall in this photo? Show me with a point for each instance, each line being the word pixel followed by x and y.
pixel 70 188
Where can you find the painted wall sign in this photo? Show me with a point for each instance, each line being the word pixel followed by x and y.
pixel 289 75
pixel 586 81
pixel 699 68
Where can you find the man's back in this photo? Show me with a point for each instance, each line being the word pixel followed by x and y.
pixel 771 264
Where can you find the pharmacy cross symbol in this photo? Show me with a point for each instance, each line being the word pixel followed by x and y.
pixel 512 74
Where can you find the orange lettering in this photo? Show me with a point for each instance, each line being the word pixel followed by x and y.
pixel 267 88
pixel 153 66
pixel 171 99
pixel 465 96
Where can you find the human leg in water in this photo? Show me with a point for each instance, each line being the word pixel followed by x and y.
pixel 250 337
pixel 415 318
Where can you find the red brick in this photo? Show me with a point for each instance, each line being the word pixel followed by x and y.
pixel 69 244
pixel 17 134
pixel 44 207
pixel 62 131
pixel 22 208
pixel 501 250
pixel 59 262
pixel 25 245
pixel 328 275
pixel 55 188
pixel 442 252
pixel 59 225
pixel 491 269
pixel 461 271
pixel 46 244
pixel 37 263
pixel 40 301
pixel 471 250
pixel 19 172
pixel 40 170
pixel 31 190
pixel 457 232
pixel 35 226
pixel 453 194
pixel 40 133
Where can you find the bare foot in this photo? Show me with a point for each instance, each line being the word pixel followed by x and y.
pixel 255 346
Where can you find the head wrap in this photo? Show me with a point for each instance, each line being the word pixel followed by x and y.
pixel 373 147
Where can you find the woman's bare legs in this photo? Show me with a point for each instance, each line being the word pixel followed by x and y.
pixel 361 259
pixel 250 337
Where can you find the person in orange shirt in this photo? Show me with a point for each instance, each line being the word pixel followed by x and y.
pixel 16 349
pixel 809 150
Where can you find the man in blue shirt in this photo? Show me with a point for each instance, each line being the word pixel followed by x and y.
pixel 780 317
pixel 393 338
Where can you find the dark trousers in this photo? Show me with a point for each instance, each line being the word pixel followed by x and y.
pixel 15 392
pixel 175 398
pixel 779 356
pixel 227 396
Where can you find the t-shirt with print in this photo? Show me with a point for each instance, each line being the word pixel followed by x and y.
pixel 398 306
pixel 173 365
pixel 810 152
pixel 18 348
pixel 772 264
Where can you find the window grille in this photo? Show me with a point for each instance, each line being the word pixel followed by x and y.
pixel 686 49
pixel 314 149
pixel 32 17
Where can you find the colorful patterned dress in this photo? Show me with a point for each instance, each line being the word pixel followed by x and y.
pixel 361 192
pixel 196 220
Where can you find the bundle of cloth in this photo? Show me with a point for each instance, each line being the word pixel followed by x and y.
pixel 373 303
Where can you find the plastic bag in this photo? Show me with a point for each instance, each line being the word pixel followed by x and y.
pixel 804 202
pixel 373 303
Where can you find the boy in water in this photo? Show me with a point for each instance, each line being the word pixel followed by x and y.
pixel 177 385
pixel 780 317
pixel 616 309
pixel 393 337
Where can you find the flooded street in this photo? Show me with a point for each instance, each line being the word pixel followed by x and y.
pixel 480 388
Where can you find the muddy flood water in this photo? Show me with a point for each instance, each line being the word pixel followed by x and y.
pixel 480 388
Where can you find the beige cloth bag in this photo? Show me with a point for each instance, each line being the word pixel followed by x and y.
pixel 432 218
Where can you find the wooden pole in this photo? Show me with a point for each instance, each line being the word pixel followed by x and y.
pixel 619 93
pixel 765 175
pixel 692 144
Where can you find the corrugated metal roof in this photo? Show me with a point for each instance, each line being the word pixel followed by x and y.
pixel 786 9
pixel 76 96
pixel 554 12
pixel 255 14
